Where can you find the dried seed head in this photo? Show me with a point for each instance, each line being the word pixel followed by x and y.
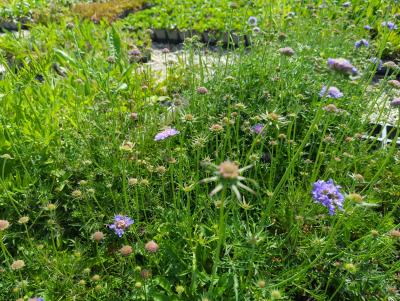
pixel 374 233
pixel 286 51
pixel 275 294
pixel 216 128
pixel 261 283
pixel 331 108
pixel 145 274
pixel 151 247
pixel 98 236
pixel 394 83
pixel 4 224
pixel 76 193
pixel 395 233
pixel 132 181
pixel 165 50
pixel 126 250
pixel 355 197
pixel 180 289
pixel 134 116
pixel 17 265
pixel 138 284
pixel 228 170
pixel 23 220
pixel 202 90
pixel 96 277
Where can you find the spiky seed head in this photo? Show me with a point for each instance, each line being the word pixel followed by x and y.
pixel 126 250
pixel 17 265
pixel 228 170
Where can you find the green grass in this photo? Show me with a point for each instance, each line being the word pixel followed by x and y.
pixel 66 163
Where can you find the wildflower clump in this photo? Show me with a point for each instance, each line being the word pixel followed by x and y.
pixel 121 223
pixel 328 194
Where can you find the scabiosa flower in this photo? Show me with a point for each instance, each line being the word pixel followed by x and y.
pixel 376 61
pixel 367 27
pixel 286 51
pixel 331 92
pixel 256 29
pixel 257 128
pixel 121 223
pixel 165 134
pixel 390 25
pixel 395 103
pixel 252 21
pixel 346 4
pixel 328 194
pixel 342 65
pixel 362 42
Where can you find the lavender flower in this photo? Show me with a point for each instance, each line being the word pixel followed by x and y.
pixel 342 65
pixel 367 27
pixel 331 92
pixel 121 223
pixel 165 134
pixel 328 194
pixel 376 61
pixel 390 25
pixel 362 42
pixel 252 21
pixel 257 128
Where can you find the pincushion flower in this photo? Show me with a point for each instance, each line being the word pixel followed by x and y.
pixel 252 21
pixel 121 223
pixel 395 103
pixel 376 61
pixel 165 134
pixel 362 42
pixel 228 174
pixel 328 194
pixel 367 27
pixel 390 25
pixel 257 128
pixel 342 65
pixel 331 92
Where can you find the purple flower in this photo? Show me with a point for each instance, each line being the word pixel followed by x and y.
pixel 165 134
pixel 376 61
pixel 331 92
pixel 121 223
pixel 346 4
pixel 367 27
pixel 36 299
pixel 362 42
pixel 342 65
pixel 389 25
pixel 252 21
pixel 257 128
pixel 328 194
pixel 395 103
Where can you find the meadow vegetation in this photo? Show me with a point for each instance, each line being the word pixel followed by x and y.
pixel 250 177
